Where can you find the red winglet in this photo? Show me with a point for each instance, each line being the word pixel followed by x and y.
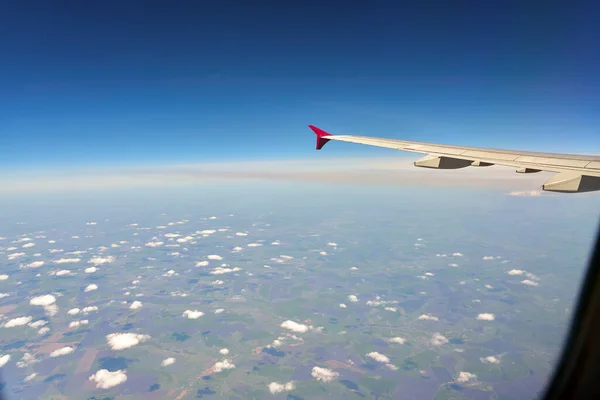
pixel 321 136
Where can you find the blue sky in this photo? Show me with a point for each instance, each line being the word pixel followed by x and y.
pixel 135 82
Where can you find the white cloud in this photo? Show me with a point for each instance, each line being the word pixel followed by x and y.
pixel 222 366
pixel 3 295
pixel 167 361
pixel 37 324
pixel 27 245
pixel 429 274
pixel 12 256
pixel 254 244
pixel 324 374
pixel 4 359
pixel 29 377
pixel 353 298
pixel 487 258
pixel 294 326
pixel 122 341
pixel 224 351
pixel 90 223
pixel 378 357
pixel 526 193
pixel 26 361
pixel 3 277
pixel 457 254
pixel 529 282
pixel 15 322
pixel 489 287
pixel 323 253
pixel 172 235
pixel 170 273
pixel 63 272
pixel 201 263
pixel 486 317
pixel 43 331
pixel 464 377
pixel 217 282
pixel 77 324
pixel 221 270
pixel 90 270
pixel 392 309
pixel 35 264
pixel 219 310
pixel 214 257
pixel 428 317
pixel 438 339
pixel 241 234
pixel 154 244
pixel 44 300
pixel 516 272
pixel 67 260
pixel 354 269
pixel 89 309
pixel 73 311
pixel 91 287
pixel 135 305
pixel 490 360
pixel 192 314
pixel 453 265
pixel 101 260
pixel 397 340
pixel 342 305
pixel 62 352
pixel 276 387
pixel 106 379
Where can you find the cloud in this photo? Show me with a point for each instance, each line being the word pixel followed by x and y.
pixel 438 339
pixel 135 305
pixel 487 258
pixel 353 298
pixel 90 270
pixel 453 265
pixel 90 223
pixel 77 324
pixel 89 309
pixel 354 269
pixel 63 272
pixel 486 317
pixel 276 387
pixel 324 374
pixel 222 366
pixel 490 360
pixel 67 260
pixel 106 379
pixel 294 326
pixel 214 257
pixel 526 193
pixel 122 341
pixel 27 245
pixel 254 244
pixel 192 314
pixel 224 351
pixel 43 331
pixel 101 260
pixel 15 322
pixel 342 305
pixel 457 254
pixel 428 317
pixel 167 361
pixel 221 270
pixel 219 310
pixel 91 287
pixel 73 311
pixel 464 377
pixel 392 309
pixel 3 277
pixel 62 352
pixel 241 234
pixel 44 300
pixel 202 263
pixel 35 264
pixel 26 361
pixel 154 244
pixel 529 282
pixel 37 324
pixel 4 359
pixel 397 340
pixel 378 357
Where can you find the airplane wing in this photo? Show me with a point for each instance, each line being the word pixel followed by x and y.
pixel 575 173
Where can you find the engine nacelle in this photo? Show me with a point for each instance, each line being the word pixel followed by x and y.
pixel 571 182
pixel 442 162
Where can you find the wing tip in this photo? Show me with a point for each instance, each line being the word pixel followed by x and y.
pixel 321 136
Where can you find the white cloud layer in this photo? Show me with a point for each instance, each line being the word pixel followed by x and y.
pixel 324 374
pixel 122 341
pixel 106 379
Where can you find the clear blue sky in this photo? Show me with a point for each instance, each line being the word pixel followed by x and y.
pixel 96 82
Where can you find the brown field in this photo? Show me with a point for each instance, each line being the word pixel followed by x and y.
pixel 7 309
pixel 86 361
